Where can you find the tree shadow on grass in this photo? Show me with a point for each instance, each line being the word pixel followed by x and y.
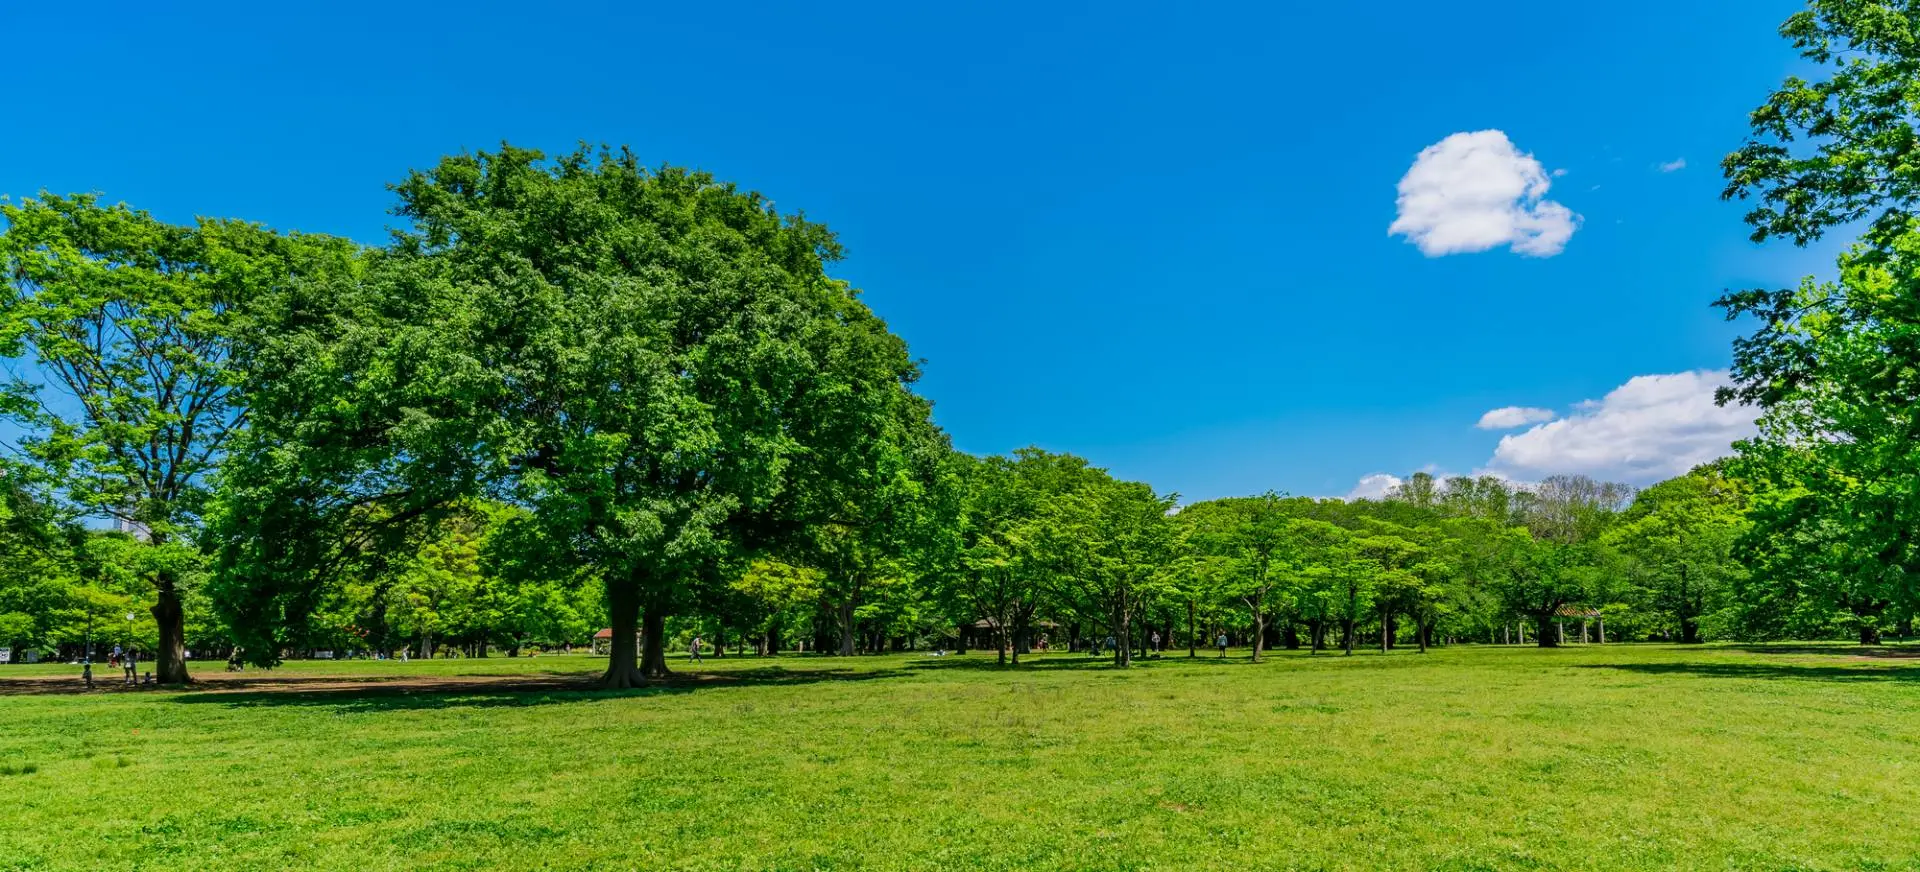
pixel 377 694
pixel 992 664
pixel 1787 671
pixel 1837 649
pixel 1070 662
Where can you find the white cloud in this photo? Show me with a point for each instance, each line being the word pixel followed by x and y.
pixel 1674 166
pixel 1652 427
pixel 1373 487
pixel 1509 417
pixel 1475 191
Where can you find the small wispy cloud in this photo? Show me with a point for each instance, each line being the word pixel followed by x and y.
pixel 1509 417
pixel 1674 166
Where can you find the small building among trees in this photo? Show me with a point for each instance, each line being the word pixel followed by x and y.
pixel 603 641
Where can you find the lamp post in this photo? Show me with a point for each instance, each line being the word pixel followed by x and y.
pixel 86 657
pixel 128 663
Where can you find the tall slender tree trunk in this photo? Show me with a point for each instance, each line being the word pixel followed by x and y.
pixel 623 607
pixel 1259 633
pixel 1420 634
pixel 1193 641
pixel 846 626
pixel 1346 635
pixel 653 643
pixel 1386 629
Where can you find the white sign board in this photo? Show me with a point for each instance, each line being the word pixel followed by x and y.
pixel 6 655
pixel 323 655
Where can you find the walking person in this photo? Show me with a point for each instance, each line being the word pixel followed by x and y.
pixel 1222 641
pixel 1156 643
pixel 694 650
pixel 130 664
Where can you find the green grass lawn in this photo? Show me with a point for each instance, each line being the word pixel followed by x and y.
pixel 1616 757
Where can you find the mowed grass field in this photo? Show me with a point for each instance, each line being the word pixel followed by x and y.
pixel 1614 757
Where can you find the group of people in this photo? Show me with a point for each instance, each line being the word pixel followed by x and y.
pixel 128 660
pixel 1156 646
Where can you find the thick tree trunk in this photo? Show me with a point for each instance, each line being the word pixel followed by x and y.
pixel 623 607
pixel 170 662
pixel 653 644
pixel 846 627
pixel 1420 634
pixel 1346 635
pixel 1259 633
pixel 1290 636
pixel 1690 631
pixel 1544 637
pixel 1869 634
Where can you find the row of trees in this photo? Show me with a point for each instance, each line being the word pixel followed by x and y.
pixel 581 391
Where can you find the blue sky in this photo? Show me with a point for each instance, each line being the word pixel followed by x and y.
pixel 1155 235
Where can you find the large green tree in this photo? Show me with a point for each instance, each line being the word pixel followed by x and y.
pixel 653 364
pixel 125 331
pixel 1251 551
pixel 1678 539
pixel 1011 553
pixel 1835 366
pixel 1117 549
